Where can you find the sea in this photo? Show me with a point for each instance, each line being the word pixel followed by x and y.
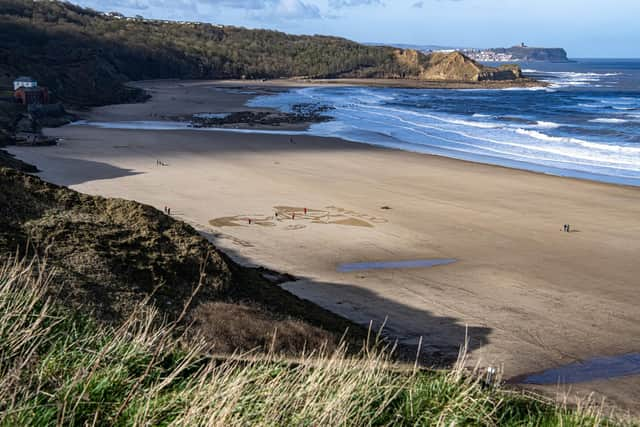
pixel 585 124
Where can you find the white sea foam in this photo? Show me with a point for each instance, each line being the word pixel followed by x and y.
pixel 562 150
pixel 374 120
pixel 590 105
pixel 482 125
pixel 560 79
pixel 547 125
pixel 530 89
pixel 508 150
pixel 594 145
pixel 608 120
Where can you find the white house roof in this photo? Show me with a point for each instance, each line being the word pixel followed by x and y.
pixel 25 79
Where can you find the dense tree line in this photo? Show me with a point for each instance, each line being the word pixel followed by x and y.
pixel 85 56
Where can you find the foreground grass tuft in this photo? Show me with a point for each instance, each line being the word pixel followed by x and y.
pixel 59 368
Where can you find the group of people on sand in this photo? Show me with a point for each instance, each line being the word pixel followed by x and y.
pixel 278 216
pixel 167 210
pixel 160 163
pixel 567 228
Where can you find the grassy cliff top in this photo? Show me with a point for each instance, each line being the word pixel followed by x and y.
pixel 61 368
pixel 109 255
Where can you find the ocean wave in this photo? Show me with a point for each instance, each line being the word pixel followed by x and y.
pixel 596 154
pixel 444 123
pixel 547 125
pixel 576 74
pixel 559 79
pixel 505 149
pixel 608 120
pixel 532 133
pixel 531 89
pixel 482 125
pixel 564 139
pixel 455 121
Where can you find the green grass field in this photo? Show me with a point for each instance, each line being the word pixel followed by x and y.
pixel 60 368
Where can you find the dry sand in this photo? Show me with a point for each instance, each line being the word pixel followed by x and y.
pixel 531 296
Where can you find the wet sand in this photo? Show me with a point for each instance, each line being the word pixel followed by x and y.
pixel 529 296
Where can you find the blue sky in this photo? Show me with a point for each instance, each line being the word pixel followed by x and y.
pixel 586 28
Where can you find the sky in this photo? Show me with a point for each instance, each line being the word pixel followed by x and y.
pixel 585 28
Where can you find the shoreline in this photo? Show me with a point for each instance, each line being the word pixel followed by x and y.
pixel 531 296
pixel 293 82
pixel 300 131
pixel 272 87
pixel 430 84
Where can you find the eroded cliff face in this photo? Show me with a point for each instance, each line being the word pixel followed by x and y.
pixel 452 66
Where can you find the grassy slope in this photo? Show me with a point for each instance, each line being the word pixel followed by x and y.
pixel 60 368
pixel 85 338
pixel 110 254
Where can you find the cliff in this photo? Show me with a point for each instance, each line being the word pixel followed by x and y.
pixel 453 66
pixel 533 54
pixel 109 255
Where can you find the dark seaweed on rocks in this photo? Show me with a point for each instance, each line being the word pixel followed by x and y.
pixel 300 114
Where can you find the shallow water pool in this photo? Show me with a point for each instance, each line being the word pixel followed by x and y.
pixel 599 368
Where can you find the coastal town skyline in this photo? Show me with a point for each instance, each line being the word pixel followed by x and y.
pixel 585 29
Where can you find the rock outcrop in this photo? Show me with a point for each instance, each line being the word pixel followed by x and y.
pixel 453 66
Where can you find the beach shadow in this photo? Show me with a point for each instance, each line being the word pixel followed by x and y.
pixel 435 339
pixel 70 171
pixel 398 323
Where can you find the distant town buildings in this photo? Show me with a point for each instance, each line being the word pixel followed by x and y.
pixel 488 55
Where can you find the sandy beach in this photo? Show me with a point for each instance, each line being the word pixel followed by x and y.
pixel 528 296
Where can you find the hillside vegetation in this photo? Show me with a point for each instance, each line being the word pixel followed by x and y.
pixel 60 368
pixel 108 255
pixel 85 57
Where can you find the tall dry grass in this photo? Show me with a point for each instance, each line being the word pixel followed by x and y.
pixel 62 368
